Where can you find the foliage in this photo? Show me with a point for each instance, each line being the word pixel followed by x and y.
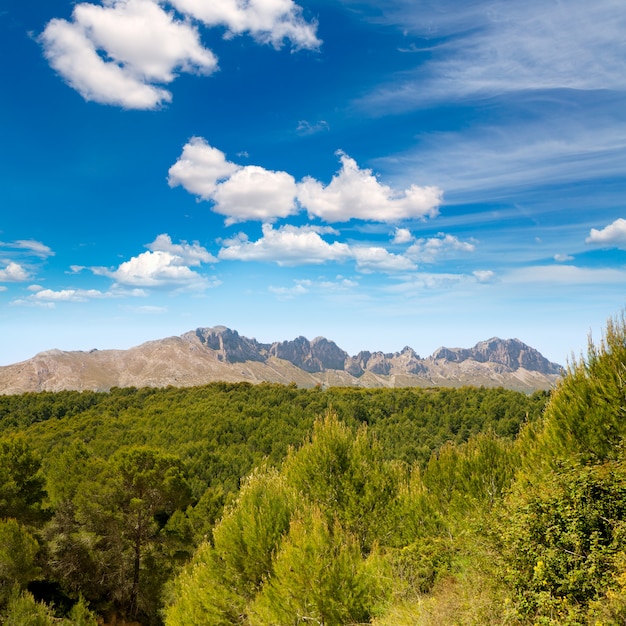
pixel 21 483
pixel 562 538
pixel 320 577
pixel 18 549
pixel 586 416
pixel 564 526
pixel 116 491
pixel 275 563
pixel 345 476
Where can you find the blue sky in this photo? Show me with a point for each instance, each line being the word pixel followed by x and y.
pixel 380 173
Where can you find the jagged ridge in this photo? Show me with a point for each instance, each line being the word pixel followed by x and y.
pixel 221 354
pixel 320 354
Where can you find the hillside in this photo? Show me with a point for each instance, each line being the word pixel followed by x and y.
pixel 221 354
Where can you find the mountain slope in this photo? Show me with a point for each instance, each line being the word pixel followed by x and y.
pixel 221 354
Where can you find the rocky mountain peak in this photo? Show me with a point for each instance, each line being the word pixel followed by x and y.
pixel 512 353
pixel 219 353
pixel 229 345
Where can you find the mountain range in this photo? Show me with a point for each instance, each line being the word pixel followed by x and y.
pixel 221 354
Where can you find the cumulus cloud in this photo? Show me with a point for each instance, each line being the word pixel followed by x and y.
pixel 356 193
pixel 190 254
pixel 68 295
pixel 613 235
pixel 428 250
pixel 123 51
pixel 13 273
pixel 120 53
pixel 293 245
pixel 377 259
pixel 253 193
pixel 164 265
pixel 200 168
pixel 268 21
pixel 402 235
pixel 287 245
pixel 240 193
pixel 154 269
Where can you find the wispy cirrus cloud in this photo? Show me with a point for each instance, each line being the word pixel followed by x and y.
pixel 481 49
pixel 29 247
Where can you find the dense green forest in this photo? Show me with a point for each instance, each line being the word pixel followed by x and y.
pixel 239 504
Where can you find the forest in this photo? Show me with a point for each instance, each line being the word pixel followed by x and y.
pixel 259 505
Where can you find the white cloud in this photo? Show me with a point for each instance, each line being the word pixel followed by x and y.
pixel 287 245
pixel 268 21
pixel 484 276
pixel 613 235
pixel 239 192
pixel 3 288
pixel 254 193
pixel 377 259
pixel 30 246
pixel 120 52
pixel 68 295
pixel 200 168
pixel 154 269
pixel 428 250
pixel 165 265
pixel 354 193
pixel 48 298
pixel 402 235
pixel 292 245
pixel 123 51
pixel 190 254
pixel 563 258
pixel 13 273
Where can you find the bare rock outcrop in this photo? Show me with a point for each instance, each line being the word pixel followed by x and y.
pixel 221 354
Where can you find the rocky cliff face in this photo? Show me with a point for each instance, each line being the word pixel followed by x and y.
pixel 219 353
pixel 511 353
